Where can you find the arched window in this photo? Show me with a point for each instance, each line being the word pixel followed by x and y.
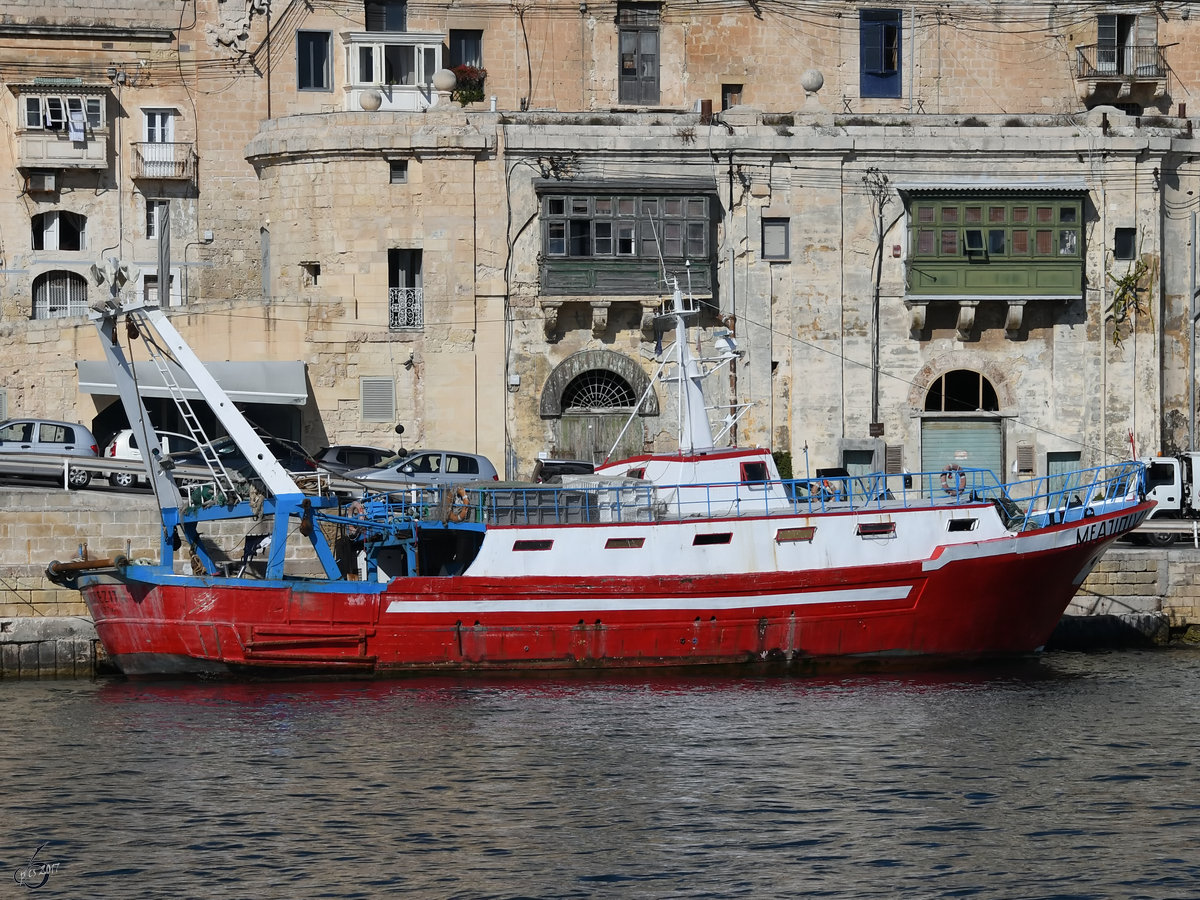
pixel 598 389
pixel 58 294
pixel 961 391
pixel 58 230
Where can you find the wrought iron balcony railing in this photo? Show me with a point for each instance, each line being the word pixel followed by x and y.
pixel 152 159
pixel 406 308
pixel 1128 63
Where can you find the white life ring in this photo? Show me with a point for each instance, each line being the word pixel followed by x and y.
pixel 954 479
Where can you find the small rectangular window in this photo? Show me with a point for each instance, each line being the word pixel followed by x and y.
pixel 973 241
pixel 1020 214
pixel 556 238
pixel 1068 215
pixel 604 241
pixel 398 171
pixel 532 545
pixel 949 215
pixel 996 241
pixel 996 215
pixel 926 215
pixel 1020 241
pixel 731 95
pixel 157 213
pixel 1044 242
pixel 776 238
pixel 925 242
pixel 973 215
pixel 624 543
pixel 466 47
pixel 1068 242
pixel 33 112
pixel 794 535
pixel 625 240
pixel 312 61
pixel 56 115
pixel 949 242
pixel 95 112
pixel 1124 243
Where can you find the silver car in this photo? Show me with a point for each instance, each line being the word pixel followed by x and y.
pixel 426 467
pixel 29 437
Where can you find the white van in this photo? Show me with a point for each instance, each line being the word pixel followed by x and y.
pixel 124 446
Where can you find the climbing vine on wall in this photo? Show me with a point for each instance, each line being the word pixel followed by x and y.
pixel 1129 299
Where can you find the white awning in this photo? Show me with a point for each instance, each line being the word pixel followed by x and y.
pixel 245 382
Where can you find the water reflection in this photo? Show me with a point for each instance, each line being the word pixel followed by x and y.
pixel 1068 776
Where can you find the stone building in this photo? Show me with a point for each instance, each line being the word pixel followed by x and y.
pixel 937 233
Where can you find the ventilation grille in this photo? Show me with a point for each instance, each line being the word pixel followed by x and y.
pixel 377 399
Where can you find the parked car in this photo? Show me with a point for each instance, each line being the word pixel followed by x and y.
pixel 124 446
pixel 291 456
pixel 48 437
pixel 342 458
pixel 426 467
pixel 551 471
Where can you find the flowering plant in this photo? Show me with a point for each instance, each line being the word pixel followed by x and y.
pixel 468 83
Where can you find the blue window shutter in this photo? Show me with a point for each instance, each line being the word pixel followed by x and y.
pixel 880 57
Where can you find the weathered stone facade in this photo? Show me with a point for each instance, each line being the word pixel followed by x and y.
pixel 285 236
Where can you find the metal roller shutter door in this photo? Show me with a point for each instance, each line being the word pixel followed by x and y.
pixel 970 443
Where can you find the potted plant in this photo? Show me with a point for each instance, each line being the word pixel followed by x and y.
pixel 468 83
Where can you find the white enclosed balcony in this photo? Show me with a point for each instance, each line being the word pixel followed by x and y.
pixel 397 66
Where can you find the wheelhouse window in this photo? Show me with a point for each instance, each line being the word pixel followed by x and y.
pixel 879 52
pixel 312 61
pixel 998 244
pixel 618 241
pixel 59 294
pixel 58 230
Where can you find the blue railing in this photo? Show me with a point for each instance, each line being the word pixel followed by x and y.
pixel 1024 504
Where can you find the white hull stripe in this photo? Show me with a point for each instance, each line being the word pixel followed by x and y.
pixel 576 604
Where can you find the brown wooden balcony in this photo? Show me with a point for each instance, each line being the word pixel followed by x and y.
pixel 172 161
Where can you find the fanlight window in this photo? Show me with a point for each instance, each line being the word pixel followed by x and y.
pixel 961 391
pixel 598 389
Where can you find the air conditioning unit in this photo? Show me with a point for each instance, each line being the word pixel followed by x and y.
pixel 41 183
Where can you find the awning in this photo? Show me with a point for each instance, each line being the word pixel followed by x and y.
pixel 996 186
pixel 245 382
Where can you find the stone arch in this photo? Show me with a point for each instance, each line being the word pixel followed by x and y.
pixel 551 406
pixel 993 371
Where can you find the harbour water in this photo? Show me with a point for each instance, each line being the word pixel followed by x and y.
pixel 1070 776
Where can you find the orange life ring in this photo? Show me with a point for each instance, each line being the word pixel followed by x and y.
pixel 954 479
pixel 460 507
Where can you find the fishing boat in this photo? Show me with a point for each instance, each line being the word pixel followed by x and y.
pixel 699 556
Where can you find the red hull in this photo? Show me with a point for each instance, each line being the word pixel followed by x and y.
pixel 1001 601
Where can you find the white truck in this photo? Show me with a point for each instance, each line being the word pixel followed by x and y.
pixel 1173 482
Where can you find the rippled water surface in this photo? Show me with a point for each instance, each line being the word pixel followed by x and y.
pixel 1072 776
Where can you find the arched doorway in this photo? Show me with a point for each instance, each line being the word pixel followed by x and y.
pixel 961 425
pixel 590 401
